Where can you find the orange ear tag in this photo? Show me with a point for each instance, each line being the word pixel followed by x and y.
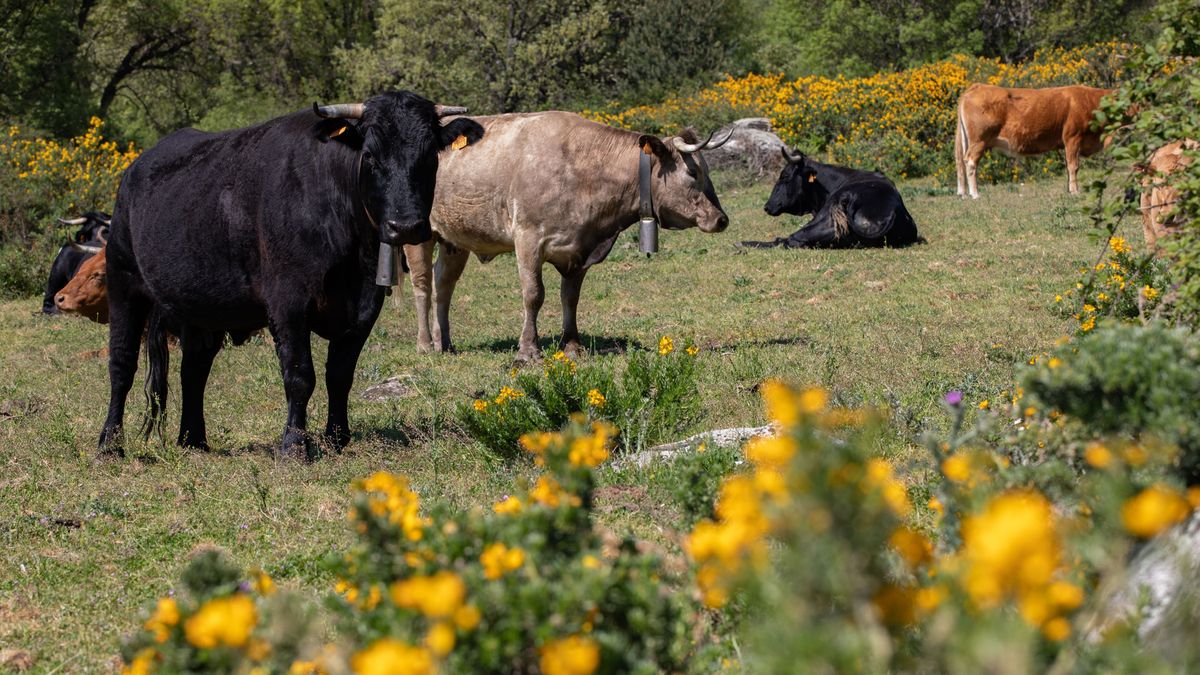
pixel 812 178
pixel 646 149
pixel 459 143
pixel 339 131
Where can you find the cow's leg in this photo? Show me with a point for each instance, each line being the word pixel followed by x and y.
pixel 199 348
pixel 778 241
pixel 127 319
pixel 533 293
pixel 339 377
pixel 960 169
pixel 819 232
pixel 446 272
pixel 974 155
pixel 1071 149
pixel 569 294
pixel 293 345
pixel 420 268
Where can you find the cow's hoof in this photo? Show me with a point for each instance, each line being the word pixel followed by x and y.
pixel 446 349
pixel 112 442
pixel 574 350
pixel 527 357
pixel 295 446
pixel 424 347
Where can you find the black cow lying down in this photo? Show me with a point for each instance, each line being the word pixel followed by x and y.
pixel 91 235
pixel 850 208
pixel 275 225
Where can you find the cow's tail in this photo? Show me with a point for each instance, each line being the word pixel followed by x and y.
pixel 157 363
pixel 841 220
pixel 960 146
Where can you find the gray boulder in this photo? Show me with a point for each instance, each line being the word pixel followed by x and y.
pixel 753 147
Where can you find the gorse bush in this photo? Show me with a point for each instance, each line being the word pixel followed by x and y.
pixel 654 397
pixel 1127 285
pixel 41 179
pixel 529 586
pixel 901 123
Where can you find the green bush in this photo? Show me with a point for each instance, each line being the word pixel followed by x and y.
pixel 1127 379
pixel 654 397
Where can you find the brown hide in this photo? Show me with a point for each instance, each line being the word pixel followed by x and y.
pixel 86 294
pixel 1024 122
pixel 1158 198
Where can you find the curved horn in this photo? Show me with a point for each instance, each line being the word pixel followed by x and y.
pixel 713 145
pixel 447 110
pixel 346 110
pixel 790 158
pixel 86 249
pixel 106 221
pixel 72 221
pixel 690 147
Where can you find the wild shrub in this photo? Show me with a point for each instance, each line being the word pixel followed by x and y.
pixel 655 396
pixel 1124 284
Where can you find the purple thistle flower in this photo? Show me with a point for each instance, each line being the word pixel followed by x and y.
pixel 954 397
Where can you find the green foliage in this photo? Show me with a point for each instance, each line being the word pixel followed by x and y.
pixel 1124 285
pixel 1131 380
pixel 1158 103
pixel 654 397
pixel 691 481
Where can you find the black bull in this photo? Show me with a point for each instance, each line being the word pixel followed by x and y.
pixel 850 207
pixel 274 225
pixel 92 233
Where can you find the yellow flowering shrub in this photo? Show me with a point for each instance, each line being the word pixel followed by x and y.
pixel 901 123
pixel 41 179
pixel 651 400
pixel 1126 284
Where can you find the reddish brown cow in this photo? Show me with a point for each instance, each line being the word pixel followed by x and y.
pixel 86 294
pixel 1158 197
pixel 1022 122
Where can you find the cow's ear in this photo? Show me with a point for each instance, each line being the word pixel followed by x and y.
pixel 653 145
pixel 340 130
pixel 460 133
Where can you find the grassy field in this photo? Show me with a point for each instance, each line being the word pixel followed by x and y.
pixel 89 542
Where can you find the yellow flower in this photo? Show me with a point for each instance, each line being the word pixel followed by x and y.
pixel 591 562
pixel 1136 455
pixel 595 398
pixel 480 405
pixel 1098 456
pixel 1011 548
pixel 957 468
pixel 1153 510
pixel 498 559
pixel 879 475
pixel 592 450
pixel 813 400
pixel 666 345
pixel 913 547
pixel 574 655
pixel 1118 245
pixel 438 596
pixel 1057 629
pixel 780 402
pixel 166 615
pixel 262 582
pixel 692 350
pixel 143 663
pixel 935 505
pixel 1149 293
pixel 509 505
pixel 467 617
pixel 547 492
pixel 225 621
pixel 984 404
pixel 770 451
pixel 392 657
pixel 440 639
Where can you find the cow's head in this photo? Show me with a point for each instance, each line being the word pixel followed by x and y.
pixel 86 294
pixel 93 226
pixel 682 191
pixel 399 135
pixel 797 191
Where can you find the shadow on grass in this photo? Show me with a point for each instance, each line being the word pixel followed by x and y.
pixel 595 344
pixel 789 341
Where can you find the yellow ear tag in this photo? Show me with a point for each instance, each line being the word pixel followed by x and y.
pixel 646 149
pixel 339 131
pixel 459 143
pixel 812 178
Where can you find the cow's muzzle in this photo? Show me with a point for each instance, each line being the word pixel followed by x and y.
pixel 398 232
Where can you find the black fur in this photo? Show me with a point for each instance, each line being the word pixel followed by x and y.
pixel 68 260
pixel 267 226
pixel 866 202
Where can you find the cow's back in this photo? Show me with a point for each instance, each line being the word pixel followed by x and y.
pixel 543 173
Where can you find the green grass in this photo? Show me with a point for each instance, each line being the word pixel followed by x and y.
pixel 89 542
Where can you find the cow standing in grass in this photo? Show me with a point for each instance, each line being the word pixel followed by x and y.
pixel 1160 199
pixel 1024 122
pixel 275 225
pixel 850 208
pixel 555 188
pixel 91 235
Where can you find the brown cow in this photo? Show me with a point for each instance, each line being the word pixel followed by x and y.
pixel 1023 122
pixel 86 294
pixel 555 188
pixel 1159 198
